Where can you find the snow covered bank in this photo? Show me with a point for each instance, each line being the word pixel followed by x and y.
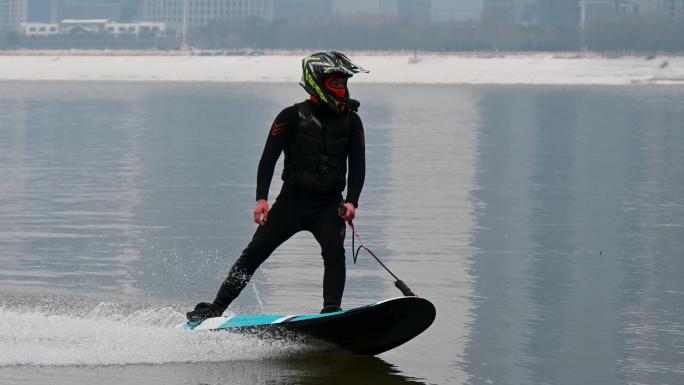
pixel 429 69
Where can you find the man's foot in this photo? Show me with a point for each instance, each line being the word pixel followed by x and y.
pixel 330 309
pixel 203 310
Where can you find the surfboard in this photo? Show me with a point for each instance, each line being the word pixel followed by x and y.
pixel 370 329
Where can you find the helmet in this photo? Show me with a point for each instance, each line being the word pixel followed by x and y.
pixel 321 65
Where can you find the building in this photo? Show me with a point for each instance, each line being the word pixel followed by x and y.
pixel 417 10
pixel 41 11
pixel 545 12
pixel 519 11
pixel 645 7
pixel 667 9
pixel 137 28
pixel 450 10
pixel 88 9
pixel 39 29
pixel 670 9
pixel 12 14
pixel 500 8
pixel 55 10
pixel 440 10
pixel 564 13
pixel 302 9
pixel 197 13
pixel 82 26
pixel 88 26
pixel 605 9
pixel 357 7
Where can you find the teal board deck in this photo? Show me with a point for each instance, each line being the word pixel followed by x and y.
pixel 370 329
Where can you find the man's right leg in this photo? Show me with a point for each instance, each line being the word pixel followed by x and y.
pixel 282 224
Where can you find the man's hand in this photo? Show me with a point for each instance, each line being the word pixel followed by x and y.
pixel 347 212
pixel 261 212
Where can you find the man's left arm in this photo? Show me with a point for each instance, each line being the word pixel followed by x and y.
pixel 357 162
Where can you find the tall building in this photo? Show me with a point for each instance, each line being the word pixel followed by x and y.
pixel 202 12
pixel 519 11
pixel 88 9
pixel 460 10
pixel 407 9
pixel 671 9
pixel 440 10
pixel 43 11
pixel 499 7
pixel 301 9
pixel 546 12
pixel 12 14
pixel 559 12
pixel 354 7
pixel 667 9
pixel 418 10
pixel 53 11
pixel 605 9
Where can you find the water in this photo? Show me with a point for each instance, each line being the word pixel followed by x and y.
pixel 545 223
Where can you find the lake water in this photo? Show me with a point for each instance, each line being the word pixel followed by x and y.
pixel 545 223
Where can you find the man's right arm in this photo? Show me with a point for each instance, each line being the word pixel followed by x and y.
pixel 283 124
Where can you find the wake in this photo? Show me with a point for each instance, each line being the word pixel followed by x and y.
pixel 108 336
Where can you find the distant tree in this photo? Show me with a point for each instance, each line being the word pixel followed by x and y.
pixel 497 30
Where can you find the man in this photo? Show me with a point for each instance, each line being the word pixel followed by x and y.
pixel 319 137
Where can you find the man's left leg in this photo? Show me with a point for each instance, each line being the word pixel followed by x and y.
pixel 329 231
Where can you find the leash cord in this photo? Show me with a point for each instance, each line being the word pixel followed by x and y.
pixel 405 290
pixel 362 246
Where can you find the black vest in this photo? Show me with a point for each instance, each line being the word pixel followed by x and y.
pixel 316 152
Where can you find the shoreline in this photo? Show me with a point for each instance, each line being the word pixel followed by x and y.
pixel 351 53
pixel 534 68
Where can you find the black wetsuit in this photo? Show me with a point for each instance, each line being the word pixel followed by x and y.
pixel 298 209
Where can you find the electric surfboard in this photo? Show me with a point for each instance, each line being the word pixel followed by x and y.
pixel 370 329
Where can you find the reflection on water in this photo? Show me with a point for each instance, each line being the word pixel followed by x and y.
pixel 580 235
pixel 545 223
pixel 316 370
pixel 429 156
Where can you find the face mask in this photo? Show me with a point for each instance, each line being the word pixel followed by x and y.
pixel 339 92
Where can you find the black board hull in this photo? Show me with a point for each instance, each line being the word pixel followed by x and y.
pixel 369 330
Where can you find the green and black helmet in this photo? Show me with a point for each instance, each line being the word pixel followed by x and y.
pixel 321 65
